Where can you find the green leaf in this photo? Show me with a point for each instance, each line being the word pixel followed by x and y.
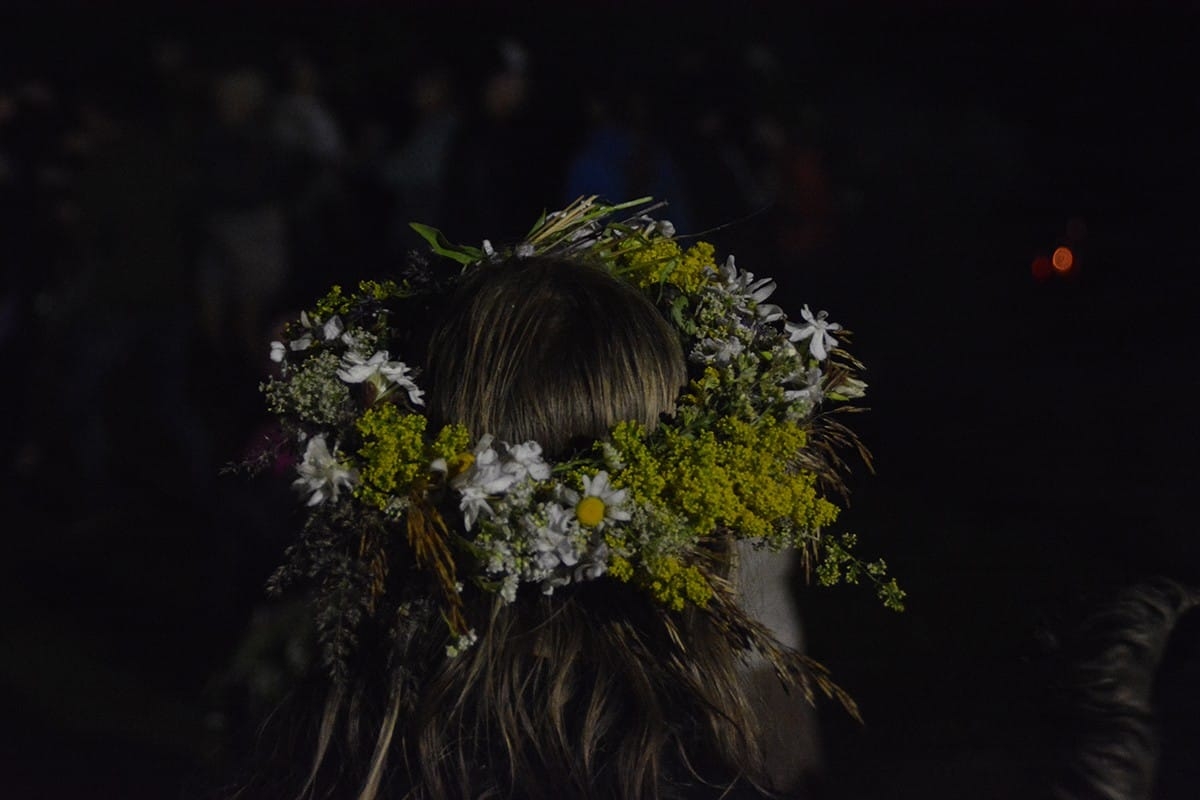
pixel 682 319
pixel 442 246
pixel 537 226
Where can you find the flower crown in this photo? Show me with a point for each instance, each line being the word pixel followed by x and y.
pixel 752 451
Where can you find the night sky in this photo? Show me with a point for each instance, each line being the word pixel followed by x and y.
pixel 1033 432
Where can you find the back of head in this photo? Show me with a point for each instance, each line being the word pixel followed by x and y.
pixel 552 350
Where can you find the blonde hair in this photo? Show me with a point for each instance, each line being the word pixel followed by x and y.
pixel 596 692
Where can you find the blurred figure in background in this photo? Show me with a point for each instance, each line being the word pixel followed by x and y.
pixel 623 155
pixel 310 141
pixel 501 166
pixel 415 172
pixel 243 261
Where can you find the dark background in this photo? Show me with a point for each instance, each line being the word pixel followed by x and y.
pixel 903 168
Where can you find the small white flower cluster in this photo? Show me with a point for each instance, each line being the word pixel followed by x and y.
pixel 509 470
pixel 322 475
pixel 523 539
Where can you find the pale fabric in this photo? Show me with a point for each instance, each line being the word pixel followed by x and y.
pixel 787 721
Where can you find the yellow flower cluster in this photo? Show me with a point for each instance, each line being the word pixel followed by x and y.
pixel 378 290
pixel 663 261
pixel 452 444
pixel 639 472
pixel 394 452
pixel 673 584
pixel 751 455
pixel 621 568
pixel 334 302
pixel 729 475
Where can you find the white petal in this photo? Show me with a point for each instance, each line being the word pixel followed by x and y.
pixel 333 328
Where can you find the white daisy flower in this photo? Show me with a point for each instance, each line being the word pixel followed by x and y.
pixel 817 330
pixel 321 473
pixel 599 504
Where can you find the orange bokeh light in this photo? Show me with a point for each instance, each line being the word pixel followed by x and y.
pixel 1063 259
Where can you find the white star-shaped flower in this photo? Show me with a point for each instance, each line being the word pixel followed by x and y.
pixel 381 373
pixel 817 330
pixel 473 501
pixel 748 294
pixel 321 473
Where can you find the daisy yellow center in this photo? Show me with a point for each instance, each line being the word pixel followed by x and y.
pixel 590 511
